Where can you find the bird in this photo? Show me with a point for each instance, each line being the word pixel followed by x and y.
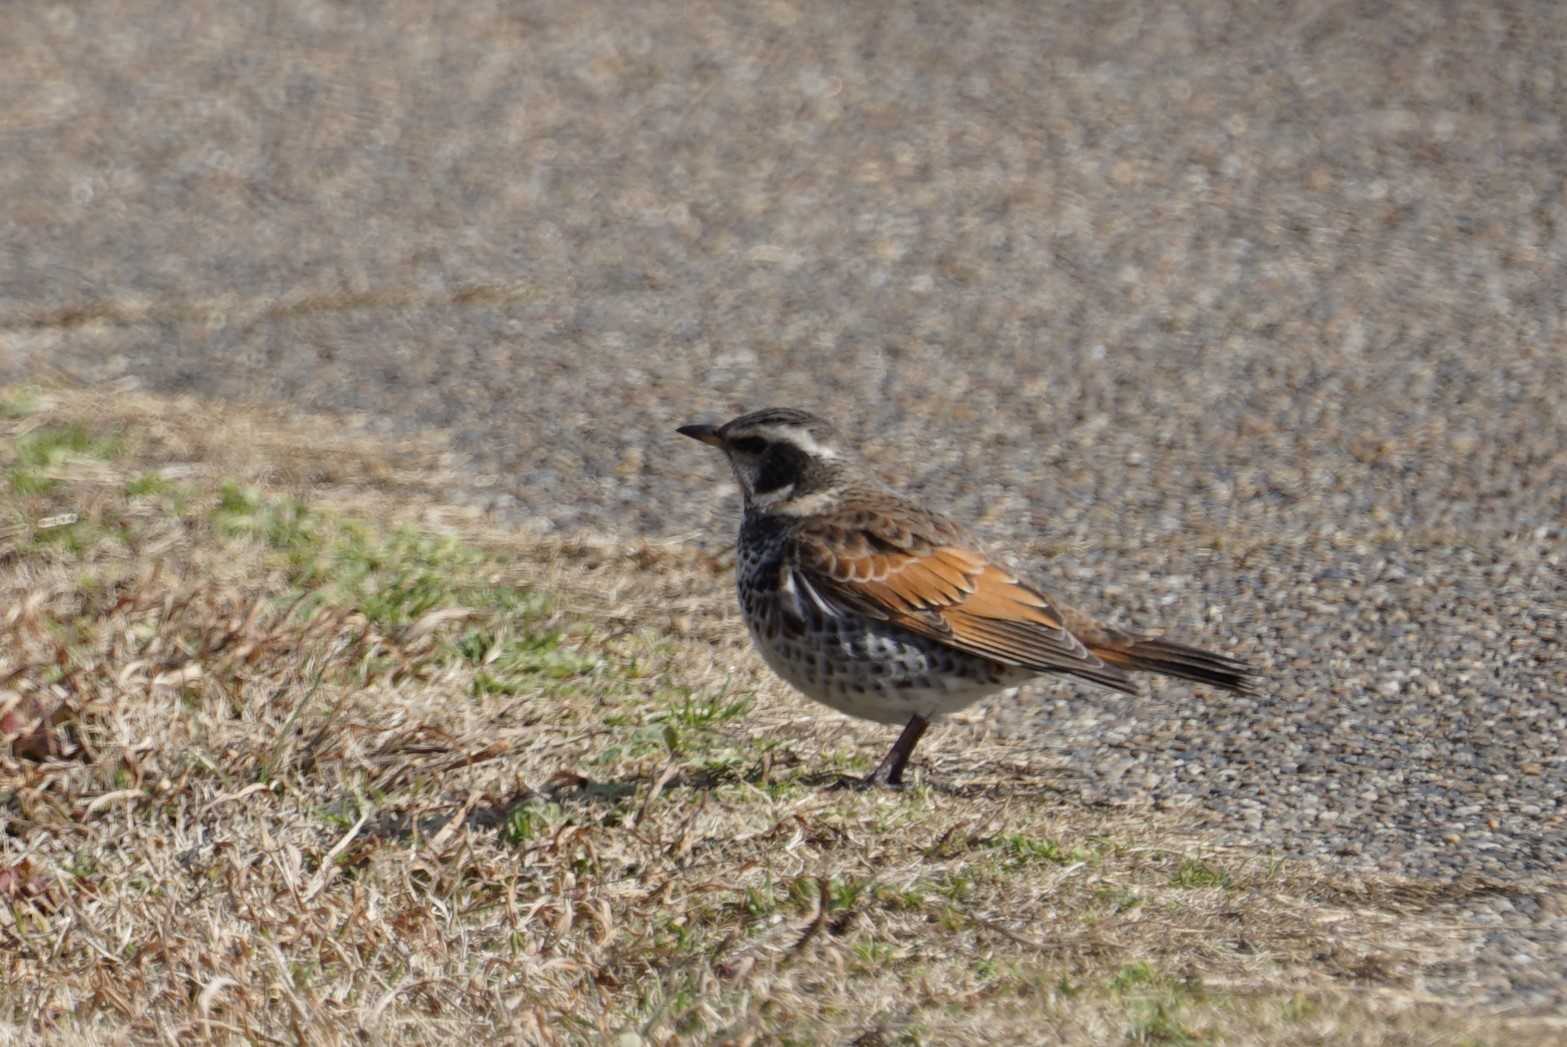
pixel 877 606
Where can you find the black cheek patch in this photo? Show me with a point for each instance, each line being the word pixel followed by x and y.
pixel 780 467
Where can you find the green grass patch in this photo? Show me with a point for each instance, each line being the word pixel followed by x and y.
pixel 1195 873
pixel 18 403
pixel 1155 1004
pixel 53 444
pixel 46 449
pixel 395 576
pixel 71 535
pixel 508 665
pixel 528 822
pixel 1021 849
pixel 148 485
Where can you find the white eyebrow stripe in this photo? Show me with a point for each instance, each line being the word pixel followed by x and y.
pixel 798 436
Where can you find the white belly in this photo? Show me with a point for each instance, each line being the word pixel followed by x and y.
pixel 875 672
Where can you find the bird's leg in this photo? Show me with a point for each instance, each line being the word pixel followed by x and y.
pixel 890 770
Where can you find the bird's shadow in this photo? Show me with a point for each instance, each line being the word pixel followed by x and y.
pixel 573 791
pixel 954 786
pixel 495 815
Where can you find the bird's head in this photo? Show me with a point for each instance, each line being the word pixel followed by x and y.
pixel 781 457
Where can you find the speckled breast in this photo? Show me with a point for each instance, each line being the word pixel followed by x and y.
pixel 857 665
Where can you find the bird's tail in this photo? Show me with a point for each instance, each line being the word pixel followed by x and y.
pixel 1152 654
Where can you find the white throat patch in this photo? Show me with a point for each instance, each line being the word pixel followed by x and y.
pixel 773 497
pixel 803 506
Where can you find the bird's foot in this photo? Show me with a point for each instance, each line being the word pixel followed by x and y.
pixel 877 779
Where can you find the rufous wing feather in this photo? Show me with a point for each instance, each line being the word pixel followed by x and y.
pixel 947 592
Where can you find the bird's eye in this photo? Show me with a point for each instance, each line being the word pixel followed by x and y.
pixel 749 445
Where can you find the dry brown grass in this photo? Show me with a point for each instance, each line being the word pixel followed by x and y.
pixel 269 774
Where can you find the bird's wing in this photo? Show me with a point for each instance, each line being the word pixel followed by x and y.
pixel 918 571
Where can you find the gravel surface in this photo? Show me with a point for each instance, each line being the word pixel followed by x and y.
pixel 1244 320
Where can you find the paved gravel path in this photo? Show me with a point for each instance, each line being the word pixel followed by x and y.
pixel 1241 319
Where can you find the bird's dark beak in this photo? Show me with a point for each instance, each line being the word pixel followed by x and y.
pixel 708 434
